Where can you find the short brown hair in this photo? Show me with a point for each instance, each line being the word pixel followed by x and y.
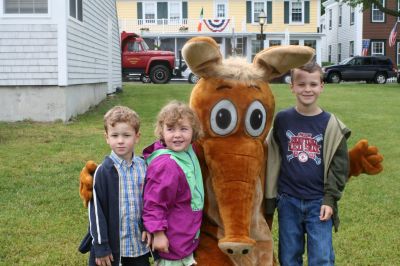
pixel 122 114
pixel 310 67
pixel 172 114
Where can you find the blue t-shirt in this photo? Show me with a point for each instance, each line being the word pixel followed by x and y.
pixel 300 141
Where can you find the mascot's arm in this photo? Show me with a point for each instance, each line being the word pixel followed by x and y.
pixel 365 159
pixel 86 182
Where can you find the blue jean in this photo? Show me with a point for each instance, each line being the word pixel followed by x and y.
pixel 298 218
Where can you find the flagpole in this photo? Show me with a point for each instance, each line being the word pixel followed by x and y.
pixel 200 20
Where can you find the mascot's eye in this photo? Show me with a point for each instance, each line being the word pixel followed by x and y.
pixel 223 117
pixel 255 119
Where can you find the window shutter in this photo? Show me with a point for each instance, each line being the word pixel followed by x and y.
pixel 269 12
pixel 184 10
pixel 248 11
pixel 307 12
pixel 286 16
pixel 139 10
pixel 162 10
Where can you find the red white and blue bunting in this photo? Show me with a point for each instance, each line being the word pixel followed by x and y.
pixel 216 25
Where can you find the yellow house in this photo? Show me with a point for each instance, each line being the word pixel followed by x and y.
pixel 234 24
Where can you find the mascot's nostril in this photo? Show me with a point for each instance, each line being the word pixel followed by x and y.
pixel 245 251
pixel 230 251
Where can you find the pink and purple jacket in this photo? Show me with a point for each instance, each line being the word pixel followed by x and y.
pixel 168 202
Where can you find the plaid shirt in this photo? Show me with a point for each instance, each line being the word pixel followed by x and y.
pixel 131 182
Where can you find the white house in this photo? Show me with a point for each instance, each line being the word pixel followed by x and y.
pixel 57 57
pixel 343 28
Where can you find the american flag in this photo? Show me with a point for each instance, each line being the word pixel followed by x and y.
pixel 393 35
pixel 365 46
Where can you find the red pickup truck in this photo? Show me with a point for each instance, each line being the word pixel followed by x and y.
pixel 138 59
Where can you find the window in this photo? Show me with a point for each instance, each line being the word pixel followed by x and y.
pixel 75 9
pixel 257 8
pixel 174 12
pixel 356 61
pixel 330 53
pixel 377 15
pixel 398 52
pixel 296 11
pixel 340 16
pixel 220 8
pixel 134 47
pixel 351 49
pixel 339 53
pixel 366 61
pixel 398 9
pixel 330 19
pixel 382 61
pixel 274 43
pixel 26 7
pixel 255 48
pixel 149 11
pixel 311 43
pixel 294 42
pixel 377 48
pixel 352 16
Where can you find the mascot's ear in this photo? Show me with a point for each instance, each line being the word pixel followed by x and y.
pixel 202 54
pixel 277 60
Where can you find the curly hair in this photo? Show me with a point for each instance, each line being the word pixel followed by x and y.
pixel 173 113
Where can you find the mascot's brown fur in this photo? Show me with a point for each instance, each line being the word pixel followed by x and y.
pixel 235 105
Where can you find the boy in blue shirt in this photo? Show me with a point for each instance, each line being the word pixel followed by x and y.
pixel 115 209
pixel 307 170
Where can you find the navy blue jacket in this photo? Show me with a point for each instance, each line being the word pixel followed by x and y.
pixel 104 212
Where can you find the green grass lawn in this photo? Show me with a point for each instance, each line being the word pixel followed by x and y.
pixel 42 219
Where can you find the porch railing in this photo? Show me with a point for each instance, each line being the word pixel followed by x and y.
pixel 177 26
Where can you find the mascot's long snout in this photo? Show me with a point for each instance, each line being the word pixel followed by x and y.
pixel 234 182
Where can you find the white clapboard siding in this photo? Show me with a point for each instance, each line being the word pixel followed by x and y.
pixel 88 46
pixel 54 66
pixel 28 54
pixel 341 34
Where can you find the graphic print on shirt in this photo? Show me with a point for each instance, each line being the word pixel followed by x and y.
pixel 304 147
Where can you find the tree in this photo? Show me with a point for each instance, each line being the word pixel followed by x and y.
pixel 367 4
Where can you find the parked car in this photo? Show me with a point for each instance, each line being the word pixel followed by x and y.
pixel 285 78
pixel 182 71
pixel 369 68
pixel 191 77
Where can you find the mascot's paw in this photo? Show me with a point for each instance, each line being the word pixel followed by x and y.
pixel 365 159
pixel 86 182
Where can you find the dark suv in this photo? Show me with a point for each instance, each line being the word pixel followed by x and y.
pixel 369 68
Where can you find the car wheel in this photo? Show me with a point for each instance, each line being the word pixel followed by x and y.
pixel 287 79
pixel 193 79
pixel 160 74
pixel 380 78
pixel 334 77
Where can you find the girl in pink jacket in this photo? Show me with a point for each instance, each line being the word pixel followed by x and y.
pixel 174 194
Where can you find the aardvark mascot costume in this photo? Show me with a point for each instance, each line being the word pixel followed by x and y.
pixel 235 105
